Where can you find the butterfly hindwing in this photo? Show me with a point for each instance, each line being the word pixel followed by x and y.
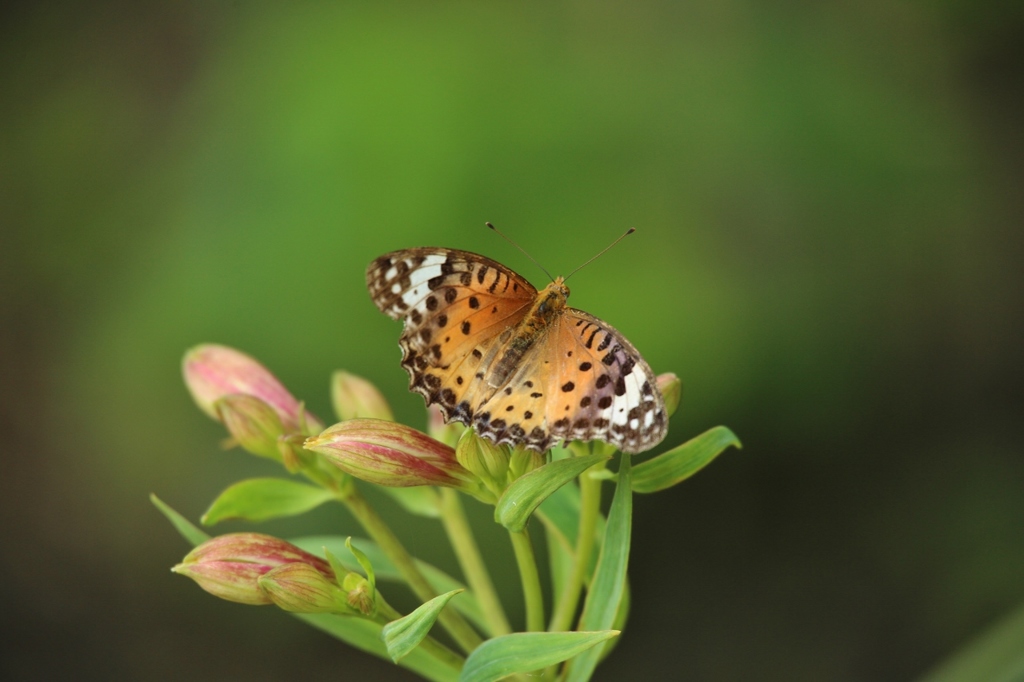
pixel 581 381
pixel 456 305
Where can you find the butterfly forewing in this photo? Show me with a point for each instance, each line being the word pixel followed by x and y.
pixel 456 306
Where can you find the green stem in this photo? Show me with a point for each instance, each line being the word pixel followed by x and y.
pixel 531 580
pixel 385 612
pixel 461 537
pixel 464 635
pixel 590 508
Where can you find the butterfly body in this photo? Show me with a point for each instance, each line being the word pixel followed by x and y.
pixel 518 365
pixel 549 305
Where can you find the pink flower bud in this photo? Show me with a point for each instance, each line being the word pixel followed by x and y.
pixel 300 588
pixel 389 454
pixel 356 398
pixel 671 389
pixel 212 372
pixel 229 566
pixel 252 423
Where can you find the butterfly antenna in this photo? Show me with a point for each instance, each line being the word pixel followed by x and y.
pixel 624 235
pixel 521 249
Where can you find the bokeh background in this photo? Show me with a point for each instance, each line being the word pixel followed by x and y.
pixel 829 211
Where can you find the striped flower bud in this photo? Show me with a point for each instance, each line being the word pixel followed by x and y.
pixel 390 454
pixel 301 588
pixel 230 566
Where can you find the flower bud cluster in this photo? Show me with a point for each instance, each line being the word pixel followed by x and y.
pixel 252 568
pixel 265 419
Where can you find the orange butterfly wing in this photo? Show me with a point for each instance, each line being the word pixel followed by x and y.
pixel 456 307
pixel 581 381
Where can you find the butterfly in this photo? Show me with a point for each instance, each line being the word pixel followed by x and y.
pixel 517 365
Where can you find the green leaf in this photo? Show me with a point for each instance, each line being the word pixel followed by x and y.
pixel 403 635
pixel 523 652
pixel 606 590
pixel 467 604
pixel 527 492
pixel 997 655
pixel 260 499
pixel 621 616
pixel 683 461
pixel 365 634
pixel 421 500
pixel 188 530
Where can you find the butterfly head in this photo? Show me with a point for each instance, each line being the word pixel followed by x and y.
pixel 551 300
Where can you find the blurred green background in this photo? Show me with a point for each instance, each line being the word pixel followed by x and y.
pixel 829 210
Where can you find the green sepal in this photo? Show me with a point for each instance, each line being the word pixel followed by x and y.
pixel 403 635
pixel 385 571
pixel 605 595
pixel 527 492
pixel 682 461
pixel 192 534
pixel 365 562
pixel 524 652
pixel 339 569
pixel 364 634
pixel 260 499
